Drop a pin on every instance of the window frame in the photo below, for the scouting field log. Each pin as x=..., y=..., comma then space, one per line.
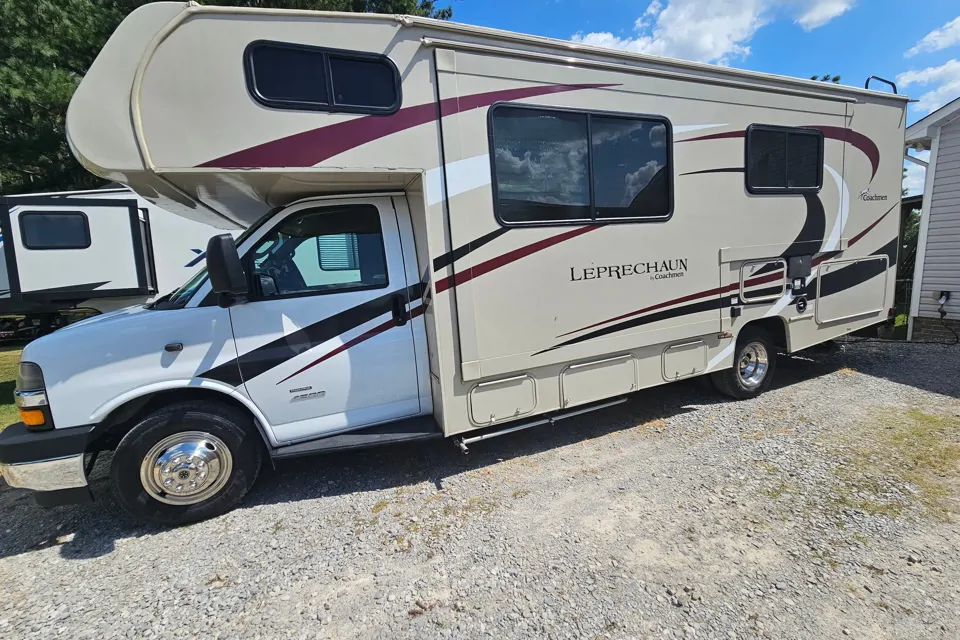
x=331, y=107
x=253, y=282
x=763, y=191
x=35, y=212
x=589, y=113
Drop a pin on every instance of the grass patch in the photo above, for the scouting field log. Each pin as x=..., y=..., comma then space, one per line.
x=911, y=447
x=9, y=358
x=380, y=506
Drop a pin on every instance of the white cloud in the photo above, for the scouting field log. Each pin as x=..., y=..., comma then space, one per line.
x=946, y=77
x=821, y=12
x=711, y=30
x=946, y=36
x=913, y=180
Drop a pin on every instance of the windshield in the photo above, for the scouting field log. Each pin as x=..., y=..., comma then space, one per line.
x=181, y=296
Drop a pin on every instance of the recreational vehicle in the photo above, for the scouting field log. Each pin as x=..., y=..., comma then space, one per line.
x=89, y=251
x=452, y=232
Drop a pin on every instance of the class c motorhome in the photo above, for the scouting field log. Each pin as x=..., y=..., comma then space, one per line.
x=452, y=232
x=79, y=253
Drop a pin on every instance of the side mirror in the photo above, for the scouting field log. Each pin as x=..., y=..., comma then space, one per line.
x=225, y=270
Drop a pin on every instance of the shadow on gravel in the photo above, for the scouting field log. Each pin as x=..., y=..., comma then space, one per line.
x=931, y=367
x=90, y=531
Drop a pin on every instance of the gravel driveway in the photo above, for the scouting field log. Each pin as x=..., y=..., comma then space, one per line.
x=822, y=509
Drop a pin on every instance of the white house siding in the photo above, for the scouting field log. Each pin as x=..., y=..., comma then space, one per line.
x=941, y=266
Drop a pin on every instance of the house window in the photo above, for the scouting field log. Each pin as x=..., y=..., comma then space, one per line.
x=553, y=167
x=783, y=160
x=54, y=230
x=291, y=76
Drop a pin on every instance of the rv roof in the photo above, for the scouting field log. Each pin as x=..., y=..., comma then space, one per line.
x=513, y=40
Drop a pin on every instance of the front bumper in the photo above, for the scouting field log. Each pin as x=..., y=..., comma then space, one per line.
x=44, y=461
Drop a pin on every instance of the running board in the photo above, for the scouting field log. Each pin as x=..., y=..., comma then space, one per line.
x=410, y=430
x=463, y=442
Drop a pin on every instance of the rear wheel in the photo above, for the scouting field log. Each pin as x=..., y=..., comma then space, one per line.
x=755, y=360
x=186, y=462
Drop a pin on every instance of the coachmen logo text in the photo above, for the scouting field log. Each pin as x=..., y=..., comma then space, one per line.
x=659, y=270
x=867, y=196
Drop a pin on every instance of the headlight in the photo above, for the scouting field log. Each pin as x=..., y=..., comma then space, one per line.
x=30, y=396
x=30, y=377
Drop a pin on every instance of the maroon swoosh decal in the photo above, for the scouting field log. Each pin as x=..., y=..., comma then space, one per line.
x=693, y=296
x=855, y=138
x=312, y=147
x=857, y=237
x=363, y=337
x=510, y=256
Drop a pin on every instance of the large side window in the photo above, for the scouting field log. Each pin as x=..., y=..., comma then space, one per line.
x=552, y=166
x=783, y=160
x=318, y=251
x=54, y=230
x=291, y=76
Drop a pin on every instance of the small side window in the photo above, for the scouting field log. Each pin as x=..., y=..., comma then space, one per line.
x=292, y=76
x=63, y=230
x=317, y=251
x=783, y=160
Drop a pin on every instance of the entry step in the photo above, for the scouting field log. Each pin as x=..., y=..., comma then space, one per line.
x=410, y=430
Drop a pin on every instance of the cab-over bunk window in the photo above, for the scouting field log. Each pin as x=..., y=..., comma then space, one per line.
x=283, y=75
x=553, y=166
x=782, y=160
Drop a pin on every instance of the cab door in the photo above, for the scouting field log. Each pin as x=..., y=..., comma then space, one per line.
x=326, y=339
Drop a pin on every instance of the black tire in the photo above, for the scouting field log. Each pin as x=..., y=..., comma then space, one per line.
x=729, y=381
x=230, y=426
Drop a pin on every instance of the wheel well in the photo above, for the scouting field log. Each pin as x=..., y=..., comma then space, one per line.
x=775, y=326
x=123, y=418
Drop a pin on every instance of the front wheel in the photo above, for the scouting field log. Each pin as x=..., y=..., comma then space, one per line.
x=754, y=362
x=186, y=462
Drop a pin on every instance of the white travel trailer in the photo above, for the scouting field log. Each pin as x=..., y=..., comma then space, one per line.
x=454, y=232
x=98, y=251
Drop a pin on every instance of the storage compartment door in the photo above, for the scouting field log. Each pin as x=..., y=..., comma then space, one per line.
x=77, y=249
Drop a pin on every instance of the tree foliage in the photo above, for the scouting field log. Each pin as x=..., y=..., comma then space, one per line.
x=45, y=48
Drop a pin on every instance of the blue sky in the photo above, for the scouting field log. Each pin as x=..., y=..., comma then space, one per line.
x=916, y=43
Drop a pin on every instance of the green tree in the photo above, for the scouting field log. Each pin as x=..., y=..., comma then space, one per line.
x=45, y=48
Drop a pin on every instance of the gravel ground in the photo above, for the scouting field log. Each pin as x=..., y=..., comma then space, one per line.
x=822, y=509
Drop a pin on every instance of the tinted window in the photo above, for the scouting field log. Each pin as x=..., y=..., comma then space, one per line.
x=540, y=159
x=363, y=83
x=294, y=258
x=783, y=159
x=553, y=166
x=630, y=177
x=288, y=76
x=49, y=230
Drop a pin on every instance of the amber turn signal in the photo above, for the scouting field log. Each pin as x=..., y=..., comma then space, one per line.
x=32, y=417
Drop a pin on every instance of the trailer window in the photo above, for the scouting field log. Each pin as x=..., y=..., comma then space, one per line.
x=292, y=76
x=783, y=160
x=54, y=230
x=552, y=166
x=324, y=250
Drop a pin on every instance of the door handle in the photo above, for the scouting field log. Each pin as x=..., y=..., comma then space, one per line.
x=400, y=315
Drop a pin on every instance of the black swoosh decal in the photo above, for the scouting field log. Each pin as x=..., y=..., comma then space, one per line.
x=697, y=307
x=264, y=358
x=448, y=259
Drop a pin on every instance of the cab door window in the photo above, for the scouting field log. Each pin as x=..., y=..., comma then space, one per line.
x=319, y=251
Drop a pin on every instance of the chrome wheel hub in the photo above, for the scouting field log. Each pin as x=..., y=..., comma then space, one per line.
x=186, y=468
x=752, y=367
